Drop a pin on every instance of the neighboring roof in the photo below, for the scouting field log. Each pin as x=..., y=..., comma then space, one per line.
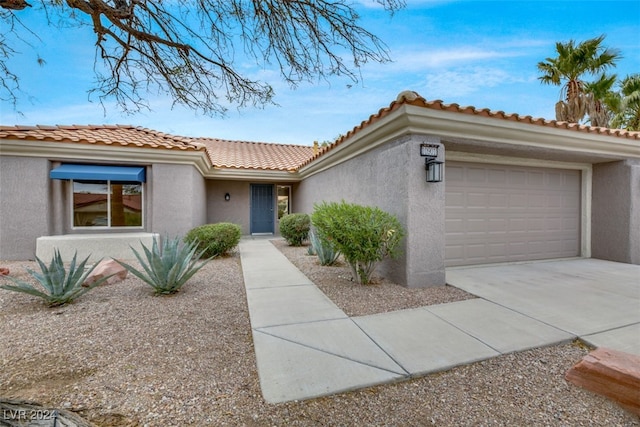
x=256, y=155
x=133, y=202
x=119, y=135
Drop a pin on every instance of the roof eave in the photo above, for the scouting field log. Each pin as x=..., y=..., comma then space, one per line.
x=410, y=119
x=105, y=153
x=518, y=134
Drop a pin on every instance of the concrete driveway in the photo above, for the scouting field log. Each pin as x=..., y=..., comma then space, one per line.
x=597, y=300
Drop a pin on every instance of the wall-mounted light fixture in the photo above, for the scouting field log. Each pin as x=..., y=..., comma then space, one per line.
x=433, y=166
x=227, y=197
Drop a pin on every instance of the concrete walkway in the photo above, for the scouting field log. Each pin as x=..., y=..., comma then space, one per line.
x=307, y=347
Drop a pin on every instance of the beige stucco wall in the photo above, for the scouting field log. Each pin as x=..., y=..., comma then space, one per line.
x=177, y=199
x=25, y=205
x=391, y=177
x=236, y=210
x=33, y=205
x=615, y=218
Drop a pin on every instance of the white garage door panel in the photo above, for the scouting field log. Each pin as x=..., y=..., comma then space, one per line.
x=497, y=213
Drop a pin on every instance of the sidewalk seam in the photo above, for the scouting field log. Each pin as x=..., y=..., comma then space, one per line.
x=381, y=348
x=305, y=322
x=406, y=374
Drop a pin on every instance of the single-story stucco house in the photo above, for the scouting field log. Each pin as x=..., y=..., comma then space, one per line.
x=514, y=188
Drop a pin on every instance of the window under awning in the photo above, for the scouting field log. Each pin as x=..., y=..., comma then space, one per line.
x=99, y=173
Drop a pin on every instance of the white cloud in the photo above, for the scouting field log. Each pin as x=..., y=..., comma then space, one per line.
x=415, y=58
x=451, y=84
x=419, y=60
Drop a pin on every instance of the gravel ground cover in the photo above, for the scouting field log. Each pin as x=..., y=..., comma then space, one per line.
x=120, y=356
x=356, y=300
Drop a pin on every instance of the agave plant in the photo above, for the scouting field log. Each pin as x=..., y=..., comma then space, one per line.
x=311, y=251
x=59, y=286
x=327, y=254
x=167, y=267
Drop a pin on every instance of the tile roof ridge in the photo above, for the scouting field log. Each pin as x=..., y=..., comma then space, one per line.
x=177, y=138
x=404, y=97
x=240, y=141
x=66, y=127
x=111, y=134
x=409, y=97
x=414, y=98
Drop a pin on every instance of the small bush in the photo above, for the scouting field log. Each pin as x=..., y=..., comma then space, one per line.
x=327, y=253
x=215, y=239
x=364, y=235
x=167, y=268
x=58, y=286
x=295, y=228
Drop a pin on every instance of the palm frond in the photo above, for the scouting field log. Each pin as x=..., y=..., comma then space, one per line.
x=574, y=63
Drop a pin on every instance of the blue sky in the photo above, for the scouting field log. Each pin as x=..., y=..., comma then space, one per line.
x=466, y=52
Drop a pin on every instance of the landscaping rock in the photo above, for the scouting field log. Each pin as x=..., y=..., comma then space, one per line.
x=611, y=373
x=107, y=268
x=4, y=271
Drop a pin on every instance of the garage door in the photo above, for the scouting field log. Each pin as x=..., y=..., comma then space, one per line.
x=497, y=213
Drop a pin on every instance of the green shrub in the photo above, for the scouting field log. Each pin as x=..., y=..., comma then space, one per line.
x=166, y=269
x=364, y=235
x=327, y=253
x=59, y=286
x=215, y=239
x=295, y=228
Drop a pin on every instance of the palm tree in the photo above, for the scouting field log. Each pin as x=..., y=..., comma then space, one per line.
x=628, y=113
x=602, y=101
x=573, y=62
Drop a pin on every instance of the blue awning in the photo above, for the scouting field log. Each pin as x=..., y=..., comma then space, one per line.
x=99, y=173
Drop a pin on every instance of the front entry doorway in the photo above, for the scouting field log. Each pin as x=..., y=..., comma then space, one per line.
x=262, y=203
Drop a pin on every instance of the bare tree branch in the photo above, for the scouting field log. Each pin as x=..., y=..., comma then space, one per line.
x=189, y=49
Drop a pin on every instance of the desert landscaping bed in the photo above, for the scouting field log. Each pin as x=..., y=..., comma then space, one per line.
x=119, y=356
x=355, y=300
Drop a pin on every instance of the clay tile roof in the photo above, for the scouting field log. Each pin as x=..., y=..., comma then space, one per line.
x=414, y=99
x=256, y=155
x=260, y=155
x=116, y=135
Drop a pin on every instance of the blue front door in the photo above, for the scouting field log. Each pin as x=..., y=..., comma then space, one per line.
x=262, y=202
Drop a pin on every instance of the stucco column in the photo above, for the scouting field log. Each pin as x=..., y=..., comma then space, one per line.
x=615, y=217
x=24, y=205
x=177, y=199
x=425, y=241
